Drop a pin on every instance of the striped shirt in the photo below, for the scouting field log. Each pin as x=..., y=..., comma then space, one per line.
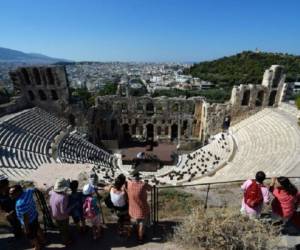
x=25, y=204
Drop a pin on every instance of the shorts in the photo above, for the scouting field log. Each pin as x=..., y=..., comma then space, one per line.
x=33, y=228
x=77, y=216
x=142, y=222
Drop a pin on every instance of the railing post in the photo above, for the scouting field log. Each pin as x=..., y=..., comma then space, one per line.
x=156, y=205
x=206, y=198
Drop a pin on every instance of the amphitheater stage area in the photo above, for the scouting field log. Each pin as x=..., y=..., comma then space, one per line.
x=164, y=152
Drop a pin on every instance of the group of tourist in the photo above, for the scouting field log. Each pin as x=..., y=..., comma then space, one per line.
x=127, y=198
x=285, y=198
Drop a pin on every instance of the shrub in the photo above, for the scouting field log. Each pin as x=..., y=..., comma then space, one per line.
x=224, y=229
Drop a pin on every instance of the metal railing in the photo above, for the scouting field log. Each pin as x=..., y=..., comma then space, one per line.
x=154, y=202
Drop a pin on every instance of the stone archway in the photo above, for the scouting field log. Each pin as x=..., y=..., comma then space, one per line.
x=126, y=132
x=259, y=98
x=174, y=132
x=272, y=98
x=246, y=98
x=150, y=132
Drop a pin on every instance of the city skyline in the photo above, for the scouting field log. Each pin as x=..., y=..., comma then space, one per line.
x=156, y=31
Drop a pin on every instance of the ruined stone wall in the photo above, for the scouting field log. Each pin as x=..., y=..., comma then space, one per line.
x=246, y=100
x=116, y=117
x=45, y=87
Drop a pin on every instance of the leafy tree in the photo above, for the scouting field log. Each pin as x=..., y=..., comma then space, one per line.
x=245, y=67
x=109, y=88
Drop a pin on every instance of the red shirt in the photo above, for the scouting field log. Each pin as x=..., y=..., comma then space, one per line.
x=137, y=199
x=284, y=204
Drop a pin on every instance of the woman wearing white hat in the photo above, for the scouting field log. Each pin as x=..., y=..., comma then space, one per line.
x=91, y=209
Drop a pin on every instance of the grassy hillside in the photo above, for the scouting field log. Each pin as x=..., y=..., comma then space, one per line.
x=245, y=67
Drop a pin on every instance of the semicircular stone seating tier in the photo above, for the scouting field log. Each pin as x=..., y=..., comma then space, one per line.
x=199, y=163
x=75, y=149
x=267, y=141
x=25, y=141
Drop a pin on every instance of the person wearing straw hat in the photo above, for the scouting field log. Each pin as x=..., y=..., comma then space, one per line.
x=138, y=206
x=59, y=208
x=7, y=205
x=91, y=209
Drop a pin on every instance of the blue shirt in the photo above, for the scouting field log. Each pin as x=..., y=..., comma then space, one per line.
x=26, y=204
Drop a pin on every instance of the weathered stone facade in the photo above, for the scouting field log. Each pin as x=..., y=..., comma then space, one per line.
x=162, y=119
x=247, y=99
x=120, y=117
x=45, y=87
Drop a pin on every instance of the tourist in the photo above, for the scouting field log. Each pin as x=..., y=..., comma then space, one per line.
x=7, y=205
x=119, y=199
x=59, y=208
x=255, y=195
x=286, y=198
x=27, y=214
x=91, y=209
x=76, y=206
x=138, y=206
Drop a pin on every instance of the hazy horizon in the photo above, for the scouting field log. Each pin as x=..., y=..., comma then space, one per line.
x=156, y=31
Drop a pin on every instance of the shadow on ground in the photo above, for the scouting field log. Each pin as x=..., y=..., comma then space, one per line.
x=156, y=238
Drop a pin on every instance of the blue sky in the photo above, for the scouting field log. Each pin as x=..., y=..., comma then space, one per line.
x=149, y=30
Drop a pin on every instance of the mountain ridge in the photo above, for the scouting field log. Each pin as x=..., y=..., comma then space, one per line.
x=15, y=56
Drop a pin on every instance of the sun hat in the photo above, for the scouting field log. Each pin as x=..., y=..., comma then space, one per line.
x=61, y=185
x=88, y=189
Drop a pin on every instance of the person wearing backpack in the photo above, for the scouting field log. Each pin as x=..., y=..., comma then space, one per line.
x=286, y=198
x=91, y=210
x=255, y=195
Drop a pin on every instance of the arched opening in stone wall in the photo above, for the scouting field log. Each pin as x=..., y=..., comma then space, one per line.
x=25, y=76
x=31, y=95
x=42, y=95
x=259, y=98
x=272, y=98
x=50, y=76
x=126, y=132
x=54, y=95
x=184, y=127
x=133, y=129
x=166, y=130
x=158, y=130
x=277, y=77
x=37, y=76
x=113, y=126
x=140, y=130
x=246, y=98
x=174, y=132
x=150, y=108
x=71, y=119
x=150, y=132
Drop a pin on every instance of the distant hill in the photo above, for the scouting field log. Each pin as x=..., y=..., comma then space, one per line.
x=15, y=56
x=245, y=67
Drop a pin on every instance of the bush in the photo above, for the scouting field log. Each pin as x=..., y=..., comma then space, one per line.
x=224, y=229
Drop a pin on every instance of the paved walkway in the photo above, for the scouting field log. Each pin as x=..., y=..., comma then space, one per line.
x=110, y=240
